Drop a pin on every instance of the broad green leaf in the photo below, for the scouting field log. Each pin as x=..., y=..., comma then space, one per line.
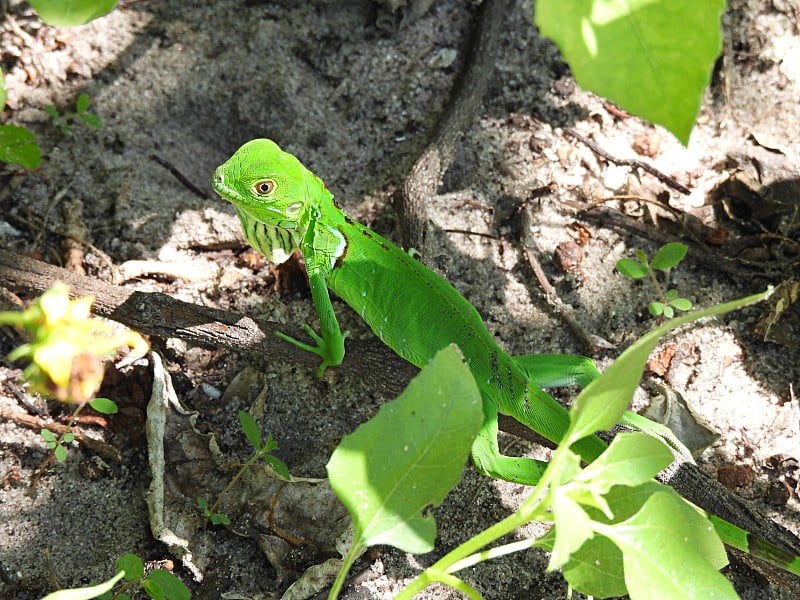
x=572, y=528
x=681, y=303
x=409, y=456
x=172, y=587
x=152, y=589
x=70, y=13
x=657, y=309
x=104, y=406
x=669, y=255
x=597, y=567
x=251, y=429
x=651, y=57
x=600, y=405
x=86, y=593
x=663, y=550
x=3, y=96
x=631, y=268
x=132, y=565
x=631, y=459
x=18, y=145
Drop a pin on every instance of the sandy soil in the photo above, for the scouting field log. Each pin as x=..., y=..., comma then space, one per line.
x=180, y=85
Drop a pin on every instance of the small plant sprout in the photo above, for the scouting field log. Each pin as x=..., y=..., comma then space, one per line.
x=64, y=122
x=158, y=584
x=215, y=518
x=263, y=451
x=665, y=258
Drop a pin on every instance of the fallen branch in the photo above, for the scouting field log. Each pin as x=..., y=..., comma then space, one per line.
x=423, y=178
x=629, y=162
x=158, y=314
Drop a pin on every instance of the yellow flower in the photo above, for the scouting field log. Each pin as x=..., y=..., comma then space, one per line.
x=68, y=345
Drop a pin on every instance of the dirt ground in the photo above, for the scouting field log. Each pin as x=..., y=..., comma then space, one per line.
x=354, y=92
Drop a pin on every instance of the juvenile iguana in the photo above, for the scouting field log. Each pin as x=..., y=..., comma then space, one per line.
x=284, y=207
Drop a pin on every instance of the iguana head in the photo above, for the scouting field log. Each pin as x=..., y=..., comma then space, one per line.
x=267, y=184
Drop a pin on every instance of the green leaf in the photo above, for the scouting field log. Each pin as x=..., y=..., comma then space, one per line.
x=60, y=453
x=18, y=145
x=596, y=569
x=278, y=466
x=251, y=429
x=202, y=502
x=48, y=436
x=630, y=460
x=600, y=405
x=3, y=96
x=220, y=519
x=668, y=256
x=681, y=303
x=68, y=437
x=104, y=406
x=91, y=120
x=651, y=57
x=172, y=587
x=82, y=103
x=409, y=456
x=666, y=551
x=573, y=528
x=671, y=294
x=51, y=111
x=132, y=565
x=70, y=13
x=656, y=308
x=152, y=589
x=85, y=593
x=631, y=268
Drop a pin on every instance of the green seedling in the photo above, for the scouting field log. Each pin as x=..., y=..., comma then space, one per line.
x=64, y=122
x=665, y=258
x=214, y=518
x=158, y=584
x=58, y=444
x=263, y=451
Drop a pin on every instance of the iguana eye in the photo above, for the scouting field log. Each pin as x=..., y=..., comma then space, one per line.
x=264, y=187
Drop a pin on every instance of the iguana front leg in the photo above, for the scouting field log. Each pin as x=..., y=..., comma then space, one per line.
x=329, y=346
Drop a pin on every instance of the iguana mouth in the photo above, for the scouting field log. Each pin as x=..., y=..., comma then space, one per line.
x=218, y=183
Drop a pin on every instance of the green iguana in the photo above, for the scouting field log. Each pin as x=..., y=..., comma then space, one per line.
x=284, y=207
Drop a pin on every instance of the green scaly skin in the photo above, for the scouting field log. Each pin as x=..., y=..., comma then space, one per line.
x=284, y=207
